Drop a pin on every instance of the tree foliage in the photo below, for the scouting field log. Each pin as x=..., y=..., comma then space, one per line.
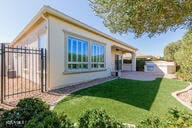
x=184, y=56
x=144, y=16
x=181, y=52
x=171, y=49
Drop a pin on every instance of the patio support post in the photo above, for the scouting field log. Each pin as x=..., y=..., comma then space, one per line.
x=2, y=71
x=133, y=66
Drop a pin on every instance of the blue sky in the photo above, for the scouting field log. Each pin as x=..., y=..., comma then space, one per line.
x=16, y=14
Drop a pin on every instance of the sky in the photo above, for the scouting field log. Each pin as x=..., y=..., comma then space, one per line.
x=16, y=14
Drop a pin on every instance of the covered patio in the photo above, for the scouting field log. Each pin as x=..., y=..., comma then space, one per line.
x=117, y=56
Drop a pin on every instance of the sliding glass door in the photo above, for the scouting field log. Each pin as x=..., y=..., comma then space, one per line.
x=118, y=62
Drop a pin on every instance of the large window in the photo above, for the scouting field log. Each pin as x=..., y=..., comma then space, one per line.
x=77, y=54
x=97, y=56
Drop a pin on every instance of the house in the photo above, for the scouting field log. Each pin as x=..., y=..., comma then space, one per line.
x=76, y=52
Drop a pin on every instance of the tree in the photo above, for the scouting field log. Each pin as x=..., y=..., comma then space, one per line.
x=144, y=16
x=184, y=56
x=171, y=49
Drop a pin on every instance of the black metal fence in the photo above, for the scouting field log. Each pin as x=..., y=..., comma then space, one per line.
x=23, y=72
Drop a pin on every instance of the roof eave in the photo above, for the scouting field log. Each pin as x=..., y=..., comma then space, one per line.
x=29, y=25
x=48, y=10
x=78, y=23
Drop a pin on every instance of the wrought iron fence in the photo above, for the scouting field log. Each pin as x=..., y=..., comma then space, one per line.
x=23, y=71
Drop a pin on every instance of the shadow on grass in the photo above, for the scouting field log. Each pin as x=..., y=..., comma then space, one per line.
x=137, y=93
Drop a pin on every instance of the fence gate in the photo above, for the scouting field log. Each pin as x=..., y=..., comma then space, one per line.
x=23, y=72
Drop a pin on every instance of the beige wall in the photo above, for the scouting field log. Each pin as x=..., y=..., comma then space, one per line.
x=57, y=50
x=56, y=31
x=30, y=40
x=127, y=67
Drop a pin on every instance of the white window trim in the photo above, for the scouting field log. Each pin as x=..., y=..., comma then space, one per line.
x=94, y=42
x=89, y=69
x=74, y=62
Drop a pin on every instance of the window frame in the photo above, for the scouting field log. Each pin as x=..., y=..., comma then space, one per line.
x=67, y=62
x=90, y=42
x=98, y=62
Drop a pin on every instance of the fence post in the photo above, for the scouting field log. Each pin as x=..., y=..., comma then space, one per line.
x=42, y=68
x=45, y=64
x=2, y=71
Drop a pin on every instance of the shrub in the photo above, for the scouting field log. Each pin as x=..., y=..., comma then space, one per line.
x=49, y=119
x=174, y=119
x=183, y=75
x=24, y=111
x=31, y=106
x=2, y=111
x=140, y=64
x=150, y=122
x=12, y=119
x=178, y=119
x=98, y=119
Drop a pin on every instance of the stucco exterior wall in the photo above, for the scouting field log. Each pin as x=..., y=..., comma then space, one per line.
x=127, y=67
x=56, y=26
x=31, y=38
x=57, y=54
x=30, y=41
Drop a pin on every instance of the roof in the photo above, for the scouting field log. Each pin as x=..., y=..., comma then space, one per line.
x=139, y=55
x=47, y=10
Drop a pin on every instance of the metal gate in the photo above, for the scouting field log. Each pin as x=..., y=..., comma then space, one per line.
x=23, y=72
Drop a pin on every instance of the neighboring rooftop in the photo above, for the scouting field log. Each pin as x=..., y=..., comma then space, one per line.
x=138, y=55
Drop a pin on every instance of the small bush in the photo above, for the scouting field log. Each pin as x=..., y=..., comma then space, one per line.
x=49, y=119
x=140, y=64
x=24, y=111
x=11, y=119
x=184, y=76
x=98, y=119
x=150, y=122
x=174, y=119
x=178, y=119
x=31, y=106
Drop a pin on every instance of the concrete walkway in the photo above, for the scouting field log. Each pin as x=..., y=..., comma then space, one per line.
x=145, y=76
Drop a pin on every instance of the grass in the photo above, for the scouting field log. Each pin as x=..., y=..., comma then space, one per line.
x=127, y=100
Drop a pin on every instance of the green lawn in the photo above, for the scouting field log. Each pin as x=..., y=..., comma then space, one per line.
x=127, y=100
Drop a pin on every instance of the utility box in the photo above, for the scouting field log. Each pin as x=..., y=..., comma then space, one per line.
x=11, y=74
x=116, y=73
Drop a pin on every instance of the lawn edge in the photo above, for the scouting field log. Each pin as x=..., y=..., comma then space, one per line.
x=52, y=106
x=175, y=95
